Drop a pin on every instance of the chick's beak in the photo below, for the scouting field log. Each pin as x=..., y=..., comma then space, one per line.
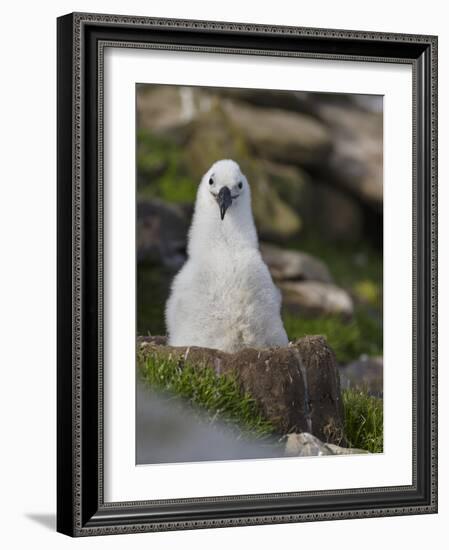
x=224, y=200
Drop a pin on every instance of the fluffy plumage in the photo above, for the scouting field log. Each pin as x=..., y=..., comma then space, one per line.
x=224, y=297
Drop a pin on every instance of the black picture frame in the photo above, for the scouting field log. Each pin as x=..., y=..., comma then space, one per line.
x=81, y=509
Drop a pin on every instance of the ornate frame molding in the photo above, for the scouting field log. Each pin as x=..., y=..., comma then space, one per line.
x=81, y=508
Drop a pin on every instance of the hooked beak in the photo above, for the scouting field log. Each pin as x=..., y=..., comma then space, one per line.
x=224, y=200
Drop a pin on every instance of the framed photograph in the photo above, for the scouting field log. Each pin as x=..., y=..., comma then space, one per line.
x=247, y=278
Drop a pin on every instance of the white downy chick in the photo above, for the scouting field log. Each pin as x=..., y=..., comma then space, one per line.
x=224, y=297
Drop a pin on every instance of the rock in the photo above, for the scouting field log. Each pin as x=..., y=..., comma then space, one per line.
x=300, y=102
x=356, y=162
x=365, y=374
x=170, y=110
x=213, y=137
x=279, y=135
x=330, y=212
x=292, y=183
x=287, y=265
x=161, y=110
x=275, y=219
x=372, y=103
x=316, y=298
x=296, y=387
x=305, y=444
x=161, y=233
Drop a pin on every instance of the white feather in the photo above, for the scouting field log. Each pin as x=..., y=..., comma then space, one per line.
x=224, y=297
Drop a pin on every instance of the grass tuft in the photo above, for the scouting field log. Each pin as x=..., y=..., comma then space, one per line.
x=161, y=171
x=348, y=339
x=363, y=420
x=218, y=396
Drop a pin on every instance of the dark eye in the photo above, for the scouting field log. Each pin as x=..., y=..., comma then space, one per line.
x=240, y=184
x=211, y=181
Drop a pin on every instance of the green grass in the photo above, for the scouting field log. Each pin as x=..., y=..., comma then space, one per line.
x=161, y=170
x=358, y=269
x=219, y=397
x=348, y=339
x=363, y=420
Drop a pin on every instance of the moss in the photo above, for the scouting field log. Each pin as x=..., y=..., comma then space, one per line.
x=363, y=420
x=218, y=397
x=367, y=291
x=348, y=339
x=162, y=171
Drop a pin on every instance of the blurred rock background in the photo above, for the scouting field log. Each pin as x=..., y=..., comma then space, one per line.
x=314, y=163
